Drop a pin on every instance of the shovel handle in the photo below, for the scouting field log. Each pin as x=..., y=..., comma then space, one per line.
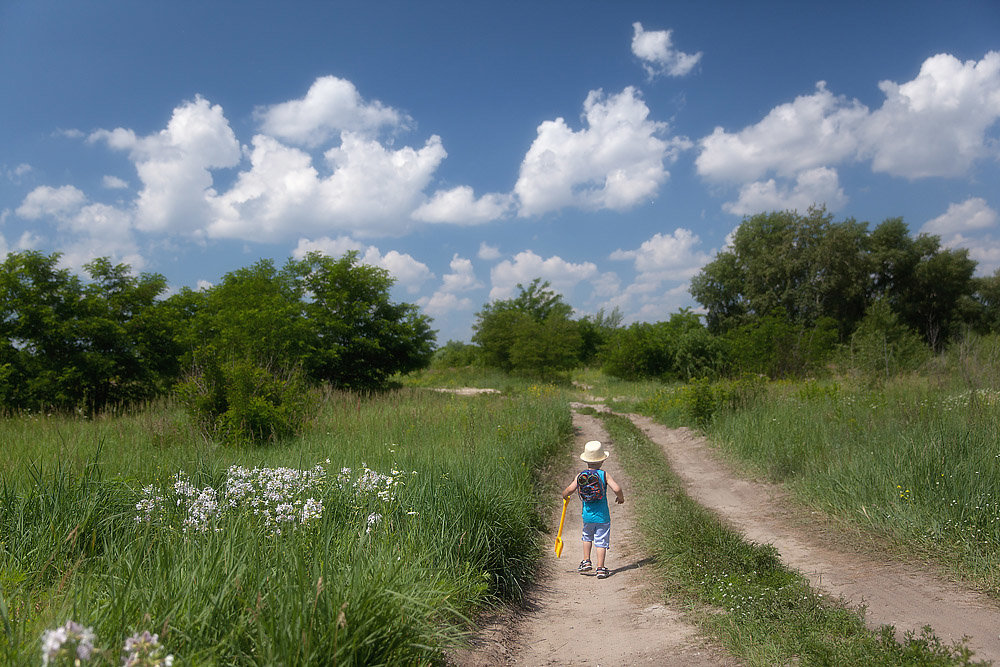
x=562, y=518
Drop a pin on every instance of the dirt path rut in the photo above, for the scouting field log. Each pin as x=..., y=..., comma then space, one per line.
x=576, y=619
x=906, y=596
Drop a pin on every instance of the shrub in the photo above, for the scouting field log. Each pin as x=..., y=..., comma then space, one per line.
x=242, y=402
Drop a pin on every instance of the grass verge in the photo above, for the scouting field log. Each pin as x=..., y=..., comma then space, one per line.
x=740, y=592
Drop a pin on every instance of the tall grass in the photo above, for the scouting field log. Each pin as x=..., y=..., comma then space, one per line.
x=740, y=592
x=372, y=581
x=909, y=459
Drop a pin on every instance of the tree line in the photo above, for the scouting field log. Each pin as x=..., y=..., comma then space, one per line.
x=115, y=338
x=792, y=294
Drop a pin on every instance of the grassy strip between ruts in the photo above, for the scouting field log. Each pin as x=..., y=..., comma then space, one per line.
x=740, y=592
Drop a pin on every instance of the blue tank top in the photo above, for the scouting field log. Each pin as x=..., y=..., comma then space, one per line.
x=596, y=511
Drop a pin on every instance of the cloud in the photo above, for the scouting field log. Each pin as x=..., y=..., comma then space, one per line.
x=971, y=215
x=331, y=106
x=460, y=206
x=92, y=229
x=664, y=265
x=407, y=271
x=369, y=189
x=15, y=174
x=446, y=299
x=114, y=183
x=46, y=201
x=814, y=186
x=488, y=252
x=812, y=131
x=666, y=257
x=934, y=125
x=965, y=225
x=174, y=165
x=658, y=55
x=616, y=162
x=526, y=266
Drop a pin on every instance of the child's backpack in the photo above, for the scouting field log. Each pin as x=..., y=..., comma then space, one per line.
x=588, y=484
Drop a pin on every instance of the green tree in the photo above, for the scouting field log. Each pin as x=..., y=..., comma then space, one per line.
x=930, y=288
x=806, y=266
x=531, y=333
x=66, y=343
x=679, y=348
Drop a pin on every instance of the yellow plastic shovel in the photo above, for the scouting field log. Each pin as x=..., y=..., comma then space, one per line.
x=559, y=542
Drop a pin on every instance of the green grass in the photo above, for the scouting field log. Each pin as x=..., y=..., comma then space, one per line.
x=764, y=613
x=459, y=534
x=911, y=460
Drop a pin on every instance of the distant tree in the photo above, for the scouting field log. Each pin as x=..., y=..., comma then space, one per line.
x=334, y=318
x=358, y=336
x=531, y=333
x=809, y=267
x=455, y=354
x=595, y=332
x=806, y=266
x=66, y=343
x=930, y=288
x=679, y=348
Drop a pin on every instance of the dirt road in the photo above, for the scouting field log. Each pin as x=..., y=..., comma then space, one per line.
x=905, y=595
x=576, y=619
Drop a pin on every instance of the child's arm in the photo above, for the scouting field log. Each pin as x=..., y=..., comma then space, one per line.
x=613, y=485
x=568, y=491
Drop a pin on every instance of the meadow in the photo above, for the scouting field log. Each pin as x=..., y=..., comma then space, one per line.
x=372, y=539
x=913, y=459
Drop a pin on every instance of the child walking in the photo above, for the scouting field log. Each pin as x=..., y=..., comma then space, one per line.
x=592, y=485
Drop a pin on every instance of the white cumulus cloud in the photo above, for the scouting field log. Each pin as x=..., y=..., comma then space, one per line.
x=615, y=162
x=114, y=183
x=367, y=189
x=820, y=186
x=972, y=214
x=656, y=51
x=526, y=266
x=666, y=256
x=175, y=165
x=331, y=106
x=446, y=299
x=936, y=125
x=812, y=131
x=460, y=206
x=488, y=252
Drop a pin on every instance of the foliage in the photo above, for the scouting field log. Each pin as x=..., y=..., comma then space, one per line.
x=70, y=344
x=882, y=346
x=240, y=402
x=677, y=348
x=455, y=354
x=806, y=266
x=775, y=346
x=530, y=334
x=595, y=332
x=333, y=318
x=810, y=267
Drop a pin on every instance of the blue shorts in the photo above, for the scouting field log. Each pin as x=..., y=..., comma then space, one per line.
x=598, y=533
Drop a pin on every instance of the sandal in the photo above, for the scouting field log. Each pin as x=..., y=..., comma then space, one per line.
x=585, y=566
x=602, y=573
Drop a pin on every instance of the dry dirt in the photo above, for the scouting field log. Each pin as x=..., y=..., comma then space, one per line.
x=575, y=619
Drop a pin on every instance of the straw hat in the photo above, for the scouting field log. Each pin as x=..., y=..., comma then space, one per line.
x=593, y=452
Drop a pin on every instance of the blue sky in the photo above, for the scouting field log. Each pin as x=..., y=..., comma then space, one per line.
x=609, y=148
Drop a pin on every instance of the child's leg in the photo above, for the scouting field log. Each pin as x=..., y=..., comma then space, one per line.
x=602, y=541
x=586, y=551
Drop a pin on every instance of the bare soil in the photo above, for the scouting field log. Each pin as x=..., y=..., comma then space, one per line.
x=574, y=619
x=907, y=595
